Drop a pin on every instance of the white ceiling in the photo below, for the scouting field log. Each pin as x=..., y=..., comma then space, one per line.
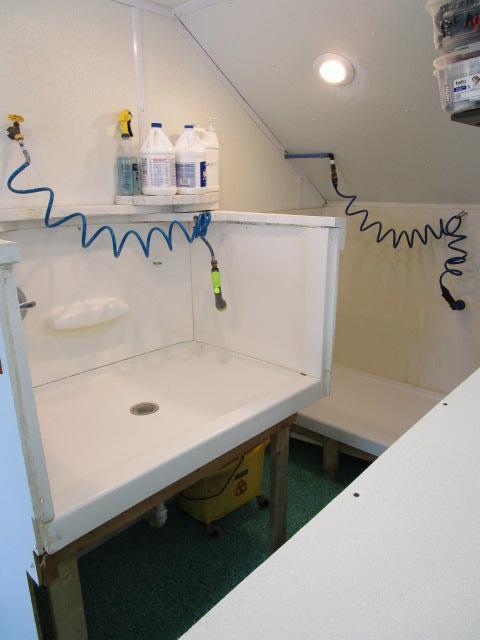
x=170, y=3
x=391, y=138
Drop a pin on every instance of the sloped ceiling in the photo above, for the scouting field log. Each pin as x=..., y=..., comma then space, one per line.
x=170, y=3
x=392, y=140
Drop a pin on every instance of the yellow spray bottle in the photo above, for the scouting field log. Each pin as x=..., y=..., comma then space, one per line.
x=128, y=181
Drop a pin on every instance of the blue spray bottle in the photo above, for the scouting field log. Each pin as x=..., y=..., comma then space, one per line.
x=128, y=182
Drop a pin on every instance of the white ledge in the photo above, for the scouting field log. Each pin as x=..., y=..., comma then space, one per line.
x=190, y=202
x=9, y=252
x=10, y=218
x=291, y=219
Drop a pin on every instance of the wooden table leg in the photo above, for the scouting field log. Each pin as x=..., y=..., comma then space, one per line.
x=66, y=602
x=278, y=487
x=330, y=458
x=36, y=611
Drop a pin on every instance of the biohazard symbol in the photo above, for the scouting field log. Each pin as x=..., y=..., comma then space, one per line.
x=241, y=488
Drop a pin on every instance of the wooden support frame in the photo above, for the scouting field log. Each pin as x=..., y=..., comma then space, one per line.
x=59, y=571
x=331, y=455
x=279, y=447
x=66, y=602
x=36, y=611
x=331, y=450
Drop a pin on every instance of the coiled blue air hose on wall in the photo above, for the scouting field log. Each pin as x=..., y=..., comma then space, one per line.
x=447, y=229
x=200, y=227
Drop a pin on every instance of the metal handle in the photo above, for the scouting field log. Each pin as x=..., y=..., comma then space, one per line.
x=27, y=305
x=24, y=304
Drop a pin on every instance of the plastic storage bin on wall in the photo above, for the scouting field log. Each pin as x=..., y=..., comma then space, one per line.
x=458, y=76
x=456, y=23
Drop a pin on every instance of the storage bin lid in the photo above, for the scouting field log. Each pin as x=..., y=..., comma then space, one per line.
x=433, y=6
x=455, y=22
x=465, y=53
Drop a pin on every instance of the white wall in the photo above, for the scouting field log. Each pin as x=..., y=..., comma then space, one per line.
x=57, y=272
x=278, y=310
x=392, y=320
x=68, y=66
x=16, y=551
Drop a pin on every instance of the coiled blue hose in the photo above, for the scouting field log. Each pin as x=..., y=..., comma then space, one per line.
x=449, y=228
x=200, y=227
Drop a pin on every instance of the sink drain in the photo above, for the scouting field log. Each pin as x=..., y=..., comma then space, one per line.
x=144, y=408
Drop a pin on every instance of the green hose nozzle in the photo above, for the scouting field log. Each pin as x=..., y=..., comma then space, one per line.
x=217, y=287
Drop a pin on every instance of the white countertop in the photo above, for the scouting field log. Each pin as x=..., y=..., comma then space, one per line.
x=400, y=561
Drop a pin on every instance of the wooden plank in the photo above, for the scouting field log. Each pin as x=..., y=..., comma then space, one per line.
x=330, y=459
x=36, y=612
x=47, y=564
x=356, y=453
x=307, y=433
x=278, y=487
x=344, y=448
x=66, y=602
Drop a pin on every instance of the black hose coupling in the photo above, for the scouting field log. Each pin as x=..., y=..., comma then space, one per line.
x=455, y=305
x=333, y=171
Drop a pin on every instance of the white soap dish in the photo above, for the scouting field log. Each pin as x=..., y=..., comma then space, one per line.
x=87, y=313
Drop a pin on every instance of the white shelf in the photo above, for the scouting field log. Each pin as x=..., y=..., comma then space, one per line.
x=194, y=202
x=32, y=217
x=131, y=208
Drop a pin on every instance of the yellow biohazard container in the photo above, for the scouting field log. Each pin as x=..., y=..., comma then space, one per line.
x=227, y=489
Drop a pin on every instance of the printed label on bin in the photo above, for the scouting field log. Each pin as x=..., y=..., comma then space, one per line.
x=467, y=88
x=242, y=487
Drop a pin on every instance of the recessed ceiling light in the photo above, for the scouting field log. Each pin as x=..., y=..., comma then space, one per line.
x=334, y=69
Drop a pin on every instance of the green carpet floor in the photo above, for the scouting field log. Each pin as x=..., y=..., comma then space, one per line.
x=153, y=584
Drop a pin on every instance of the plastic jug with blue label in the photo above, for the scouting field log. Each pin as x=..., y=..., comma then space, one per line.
x=191, y=163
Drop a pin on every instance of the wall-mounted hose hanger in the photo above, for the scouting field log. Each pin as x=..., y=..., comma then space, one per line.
x=200, y=227
x=446, y=228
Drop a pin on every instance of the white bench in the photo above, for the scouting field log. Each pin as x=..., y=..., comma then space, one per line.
x=363, y=416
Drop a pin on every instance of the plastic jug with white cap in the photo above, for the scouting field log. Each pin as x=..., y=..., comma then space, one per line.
x=191, y=163
x=157, y=162
x=212, y=149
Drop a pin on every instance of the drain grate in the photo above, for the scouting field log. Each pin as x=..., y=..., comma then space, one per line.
x=144, y=408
